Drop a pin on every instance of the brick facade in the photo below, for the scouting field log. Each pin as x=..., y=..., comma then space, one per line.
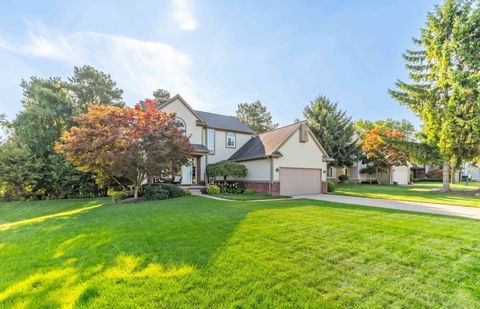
x=261, y=186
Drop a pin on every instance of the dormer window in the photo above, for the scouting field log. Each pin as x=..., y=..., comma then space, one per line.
x=181, y=125
x=230, y=140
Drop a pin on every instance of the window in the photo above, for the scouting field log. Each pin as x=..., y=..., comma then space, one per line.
x=211, y=140
x=231, y=140
x=181, y=125
x=329, y=172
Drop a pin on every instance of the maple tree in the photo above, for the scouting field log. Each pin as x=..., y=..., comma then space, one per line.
x=380, y=152
x=133, y=143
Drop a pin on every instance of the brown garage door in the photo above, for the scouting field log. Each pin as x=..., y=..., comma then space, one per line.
x=300, y=181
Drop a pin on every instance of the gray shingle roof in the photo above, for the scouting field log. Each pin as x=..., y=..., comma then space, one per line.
x=223, y=122
x=200, y=147
x=265, y=144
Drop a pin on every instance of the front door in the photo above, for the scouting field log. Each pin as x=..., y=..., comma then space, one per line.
x=189, y=172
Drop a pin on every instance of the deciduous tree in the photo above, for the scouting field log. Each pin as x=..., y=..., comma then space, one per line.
x=125, y=142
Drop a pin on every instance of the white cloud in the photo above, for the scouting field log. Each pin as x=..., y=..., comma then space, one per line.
x=138, y=66
x=182, y=11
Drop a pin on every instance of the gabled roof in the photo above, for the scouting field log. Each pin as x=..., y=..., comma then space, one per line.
x=228, y=123
x=211, y=120
x=268, y=144
x=265, y=144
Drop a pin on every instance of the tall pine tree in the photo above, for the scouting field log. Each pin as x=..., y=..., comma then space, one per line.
x=334, y=130
x=444, y=74
x=256, y=116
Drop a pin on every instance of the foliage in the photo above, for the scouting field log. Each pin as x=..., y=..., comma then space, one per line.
x=18, y=171
x=380, y=152
x=92, y=87
x=331, y=186
x=249, y=191
x=128, y=142
x=154, y=192
x=444, y=78
x=161, y=95
x=419, y=153
x=230, y=187
x=226, y=169
x=418, y=180
x=213, y=189
x=118, y=195
x=186, y=192
x=343, y=178
x=333, y=129
x=256, y=117
x=404, y=126
x=174, y=191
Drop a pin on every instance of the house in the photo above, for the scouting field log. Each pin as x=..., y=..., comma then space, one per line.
x=287, y=160
x=436, y=171
x=396, y=174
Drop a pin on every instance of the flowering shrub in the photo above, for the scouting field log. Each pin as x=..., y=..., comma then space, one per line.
x=213, y=190
x=230, y=187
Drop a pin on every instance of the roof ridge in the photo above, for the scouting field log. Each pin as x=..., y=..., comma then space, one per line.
x=276, y=129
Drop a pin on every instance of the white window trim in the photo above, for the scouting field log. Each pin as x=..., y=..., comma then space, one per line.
x=211, y=149
x=234, y=140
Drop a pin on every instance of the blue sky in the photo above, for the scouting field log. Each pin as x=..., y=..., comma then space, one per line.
x=217, y=54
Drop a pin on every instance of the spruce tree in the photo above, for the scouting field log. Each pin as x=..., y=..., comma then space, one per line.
x=333, y=129
x=444, y=77
x=256, y=116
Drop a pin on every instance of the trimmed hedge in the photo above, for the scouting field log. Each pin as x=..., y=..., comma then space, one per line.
x=161, y=191
x=343, y=178
x=417, y=180
x=331, y=186
x=213, y=189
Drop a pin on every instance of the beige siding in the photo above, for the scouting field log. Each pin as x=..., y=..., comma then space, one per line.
x=193, y=131
x=258, y=170
x=300, y=155
x=222, y=152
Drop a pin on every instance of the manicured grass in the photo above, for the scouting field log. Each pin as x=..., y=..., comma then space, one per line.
x=198, y=252
x=420, y=192
x=251, y=197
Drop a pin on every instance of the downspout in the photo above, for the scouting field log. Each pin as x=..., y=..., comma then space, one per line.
x=270, y=184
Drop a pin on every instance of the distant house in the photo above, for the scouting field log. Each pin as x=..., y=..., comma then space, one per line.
x=395, y=175
x=287, y=160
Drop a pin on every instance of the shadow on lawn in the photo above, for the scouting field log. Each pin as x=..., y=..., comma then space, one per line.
x=52, y=260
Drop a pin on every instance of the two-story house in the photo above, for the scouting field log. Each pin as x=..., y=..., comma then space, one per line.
x=287, y=160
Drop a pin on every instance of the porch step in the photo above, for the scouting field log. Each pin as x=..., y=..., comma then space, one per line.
x=195, y=189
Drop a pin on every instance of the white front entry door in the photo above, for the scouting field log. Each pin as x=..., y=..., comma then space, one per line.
x=186, y=175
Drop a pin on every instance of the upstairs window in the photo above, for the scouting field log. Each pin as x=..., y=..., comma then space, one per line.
x=181, y=125
x=211, y=140
x=230, y=140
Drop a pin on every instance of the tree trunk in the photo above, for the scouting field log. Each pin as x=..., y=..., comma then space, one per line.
x=136, y=188
x=446, y=176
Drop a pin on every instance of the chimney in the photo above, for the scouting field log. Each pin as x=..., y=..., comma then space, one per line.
x=303, y=133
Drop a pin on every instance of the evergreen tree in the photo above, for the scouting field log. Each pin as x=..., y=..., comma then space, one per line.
x=161, y=95
x=91, y=86
x=333, y=129
x=256, y=116
x=444, y=74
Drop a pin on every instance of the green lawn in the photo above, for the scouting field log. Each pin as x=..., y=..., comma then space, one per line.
x=199, y=252
x=251, y=197
x=420, y=192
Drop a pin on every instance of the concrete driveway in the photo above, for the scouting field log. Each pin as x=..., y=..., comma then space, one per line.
x=440, y=209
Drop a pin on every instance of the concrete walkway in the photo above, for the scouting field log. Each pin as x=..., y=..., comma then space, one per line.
x=440, y=209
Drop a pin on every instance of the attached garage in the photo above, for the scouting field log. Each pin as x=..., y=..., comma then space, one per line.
x=297, y=181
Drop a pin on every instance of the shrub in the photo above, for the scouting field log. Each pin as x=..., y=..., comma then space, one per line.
x=249, y=191
x=174, y=191
x=154, y=192
x=331, y=186
x=213, y=189
x=186, y=191
x=118, y=195
x=343, y=178
x=230, y=187
x=416, y=180
x=226, y=169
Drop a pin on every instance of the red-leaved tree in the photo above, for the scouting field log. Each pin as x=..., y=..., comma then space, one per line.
x=126, y=142
x=380, y=151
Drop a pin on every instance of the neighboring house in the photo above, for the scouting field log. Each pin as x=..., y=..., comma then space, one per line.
x=436, y=171
x=397, y=174
x=287, y=160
